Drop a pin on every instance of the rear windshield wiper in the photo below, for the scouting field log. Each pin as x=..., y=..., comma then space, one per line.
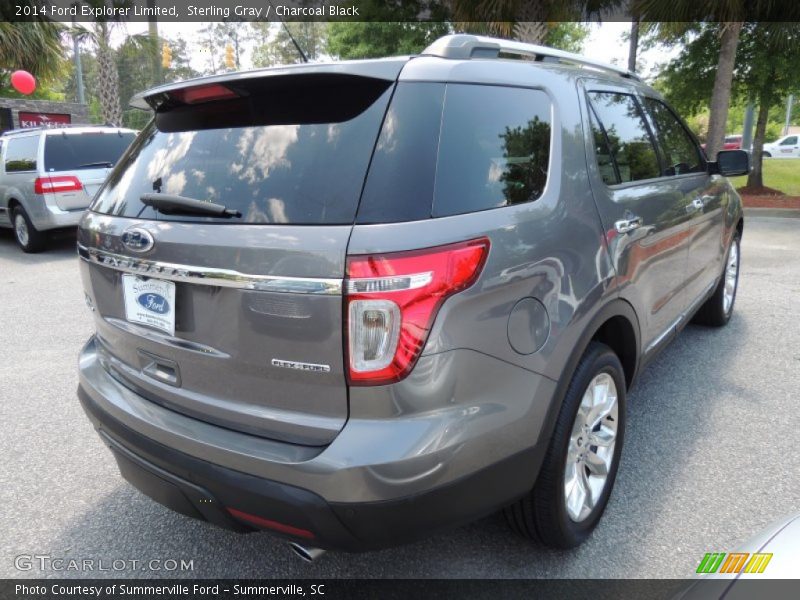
x=102, y=163
x=172, y=204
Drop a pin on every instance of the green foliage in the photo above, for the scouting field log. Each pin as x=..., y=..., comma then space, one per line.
x=389, y=32
x=142, y=74
x=35, y=47
x=278, y=48
x=766, y=70
x=779, y=174
x=567, y=35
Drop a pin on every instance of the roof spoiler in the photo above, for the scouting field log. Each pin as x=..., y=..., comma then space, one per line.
x=205, y=89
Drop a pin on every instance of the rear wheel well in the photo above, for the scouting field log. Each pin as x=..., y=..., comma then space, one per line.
x=12, y=203
x=618, y=334
x=740, y=227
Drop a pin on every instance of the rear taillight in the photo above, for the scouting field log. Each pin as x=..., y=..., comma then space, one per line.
x=392, y=301
x=52, y=185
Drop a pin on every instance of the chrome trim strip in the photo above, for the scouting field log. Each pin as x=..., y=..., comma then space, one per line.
x=683, y=316
x=662, y=336
x=209, y=275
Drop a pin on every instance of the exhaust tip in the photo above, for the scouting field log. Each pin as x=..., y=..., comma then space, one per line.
x=306, y=553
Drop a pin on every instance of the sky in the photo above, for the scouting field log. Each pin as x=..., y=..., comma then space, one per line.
x=605, y=42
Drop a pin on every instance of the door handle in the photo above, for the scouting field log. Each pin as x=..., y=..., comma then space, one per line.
x=626, y=225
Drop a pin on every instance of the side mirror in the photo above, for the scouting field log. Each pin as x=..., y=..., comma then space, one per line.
x=731, y=163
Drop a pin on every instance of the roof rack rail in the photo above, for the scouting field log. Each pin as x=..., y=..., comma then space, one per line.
x=465, y=46
x=58, y=127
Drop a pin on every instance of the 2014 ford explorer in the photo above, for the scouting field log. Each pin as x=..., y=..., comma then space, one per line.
x=354, y=303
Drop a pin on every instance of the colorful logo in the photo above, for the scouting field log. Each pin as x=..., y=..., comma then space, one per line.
x=734, y=562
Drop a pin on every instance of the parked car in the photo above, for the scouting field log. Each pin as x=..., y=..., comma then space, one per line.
x=786, y=147
x=731, y=142
x=355, y=321
x=49, y=176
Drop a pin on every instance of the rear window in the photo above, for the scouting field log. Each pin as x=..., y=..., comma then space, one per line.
x=457, y=148
x=295, y=155
x=91, y=150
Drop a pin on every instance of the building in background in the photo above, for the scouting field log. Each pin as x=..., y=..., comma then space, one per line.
x=21, y=113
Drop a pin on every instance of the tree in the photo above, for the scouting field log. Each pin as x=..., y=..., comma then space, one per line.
x=525, y=20
x=765, y=69
x=33, y=46
x=108, y=76
x=142, y=74
x=390, y=29
x=767, y=72
x=728, y=17
x=278, y=48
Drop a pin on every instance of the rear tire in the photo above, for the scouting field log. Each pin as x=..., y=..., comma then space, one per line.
x=717, y=310
x=552, y=513
x=28, y=238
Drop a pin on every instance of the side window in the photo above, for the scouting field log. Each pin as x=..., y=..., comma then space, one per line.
x=628, y=140
x=605, y=162
x=790, y=141
x=494, y=148
x=679, y=150
x=21, y=154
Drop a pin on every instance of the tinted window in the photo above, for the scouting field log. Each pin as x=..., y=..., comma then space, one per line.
x=400, y=182
x=70, y=151
x=605, y=161
x=494, y=148
x=677, y=147
x=296, y=166
x=627, y=136
x=21, y=153
x=790, y=141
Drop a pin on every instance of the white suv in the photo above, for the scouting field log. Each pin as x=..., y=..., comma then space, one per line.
x=49, y=176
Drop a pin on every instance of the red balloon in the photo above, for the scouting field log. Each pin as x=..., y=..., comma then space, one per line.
x=23, y=82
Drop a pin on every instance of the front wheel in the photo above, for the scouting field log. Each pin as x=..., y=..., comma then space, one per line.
x=580, y=466
x=718, y=309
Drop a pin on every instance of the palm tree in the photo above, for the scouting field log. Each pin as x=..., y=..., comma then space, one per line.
x=108, y=76
x=33, y=46
x=524, y=20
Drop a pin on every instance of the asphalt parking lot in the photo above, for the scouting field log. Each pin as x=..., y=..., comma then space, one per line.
x=710, y=455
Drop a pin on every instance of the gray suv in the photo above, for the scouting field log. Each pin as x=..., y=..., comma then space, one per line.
x=354, y=303
x=49, y=176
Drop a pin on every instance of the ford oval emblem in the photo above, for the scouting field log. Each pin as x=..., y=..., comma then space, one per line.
x=154, y=302
x=137, y=239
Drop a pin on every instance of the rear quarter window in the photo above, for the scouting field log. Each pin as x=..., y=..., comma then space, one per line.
x=448, y=149
x=494, y=148
x=22, y=153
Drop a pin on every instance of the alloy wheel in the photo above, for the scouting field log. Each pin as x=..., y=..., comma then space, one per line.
x=21, y=230
x=731, y=277
x=591, y=447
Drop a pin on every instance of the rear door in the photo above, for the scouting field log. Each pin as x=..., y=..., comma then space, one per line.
x=87, y=155
x=644, y=213
x=257, y=342
x=704, y=195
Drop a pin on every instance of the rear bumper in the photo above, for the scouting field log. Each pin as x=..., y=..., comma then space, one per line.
x=346, y=496
x=45, y=217
x=206, y=491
